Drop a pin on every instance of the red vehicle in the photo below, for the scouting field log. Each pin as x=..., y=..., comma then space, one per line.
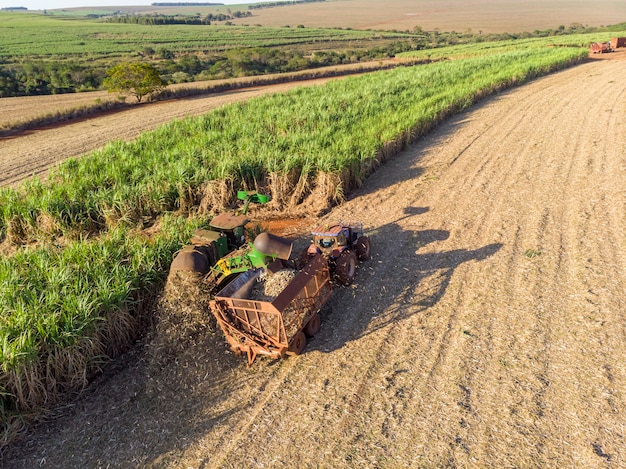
x=275, y=327
x=600, y=47
x=341, y=244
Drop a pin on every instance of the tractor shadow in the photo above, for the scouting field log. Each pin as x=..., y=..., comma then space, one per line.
x=401, y=279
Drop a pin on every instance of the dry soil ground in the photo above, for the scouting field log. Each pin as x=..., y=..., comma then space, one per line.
x=488, y=330
x=486, y=16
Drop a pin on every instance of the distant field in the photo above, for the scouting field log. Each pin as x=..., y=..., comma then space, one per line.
x=22, y=35
x=488, y=16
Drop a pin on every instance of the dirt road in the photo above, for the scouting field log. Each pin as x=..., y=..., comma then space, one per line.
x=35, y=152
x=488, y=330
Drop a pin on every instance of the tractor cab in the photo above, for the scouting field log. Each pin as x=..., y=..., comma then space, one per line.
x=330, y=240
x=232, y=226
x=341, y=244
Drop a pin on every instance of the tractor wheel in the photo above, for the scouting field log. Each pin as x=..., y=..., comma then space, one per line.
x=345, y=268
x=363, y=248
x=297, y=344
x=191, y=259
x=304, y=259
x=313, y=326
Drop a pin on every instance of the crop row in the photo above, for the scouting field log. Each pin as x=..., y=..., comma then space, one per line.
x=343, y=125
x=67, y=308
x=69, y=295
x=481, y=49
x=22, y=35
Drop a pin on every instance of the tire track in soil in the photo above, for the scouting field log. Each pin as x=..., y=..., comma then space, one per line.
x=269, y=386
x=564, y=324
x=545, y=323
x=448, y=339
x=488, y=330
x=363, y=400
x=460, y=339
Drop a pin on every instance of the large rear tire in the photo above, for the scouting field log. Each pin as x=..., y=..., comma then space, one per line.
x=297, y=344
x=345, y=268
x=363, y=248
x=313, y=326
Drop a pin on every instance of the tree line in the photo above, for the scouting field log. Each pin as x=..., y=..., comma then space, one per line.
x=257, y=6
x=158, y=19
x=38, y=78
x=53, y=77
x=50, y=77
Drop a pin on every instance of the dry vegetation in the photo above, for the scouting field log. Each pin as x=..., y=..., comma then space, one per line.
x=487, y=331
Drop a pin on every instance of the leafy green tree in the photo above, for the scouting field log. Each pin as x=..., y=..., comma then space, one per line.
x=136, y=79
x=165, y=53
x=190, y=63
x=9, y=84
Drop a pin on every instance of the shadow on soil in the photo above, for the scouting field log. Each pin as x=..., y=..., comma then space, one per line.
x=410, y=269
x=398, y=282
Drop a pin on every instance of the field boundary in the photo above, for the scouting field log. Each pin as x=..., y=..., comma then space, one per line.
x=201, y=88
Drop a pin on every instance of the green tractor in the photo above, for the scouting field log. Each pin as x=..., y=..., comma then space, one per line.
x=221, y=252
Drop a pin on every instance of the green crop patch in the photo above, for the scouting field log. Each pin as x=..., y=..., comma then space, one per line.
x=23, y=34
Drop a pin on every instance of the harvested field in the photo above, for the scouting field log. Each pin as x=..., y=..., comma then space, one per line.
x=487, y=16
x=488, y=330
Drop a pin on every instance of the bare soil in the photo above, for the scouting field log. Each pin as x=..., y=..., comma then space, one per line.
x=488, y=329
x=486, y=16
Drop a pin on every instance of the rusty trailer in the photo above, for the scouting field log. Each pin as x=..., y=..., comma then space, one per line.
x=600, y=47
x=618, y=42
x=273, y=328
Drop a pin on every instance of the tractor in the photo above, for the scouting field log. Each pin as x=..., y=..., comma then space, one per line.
x=341, y=244
x=221, y=252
